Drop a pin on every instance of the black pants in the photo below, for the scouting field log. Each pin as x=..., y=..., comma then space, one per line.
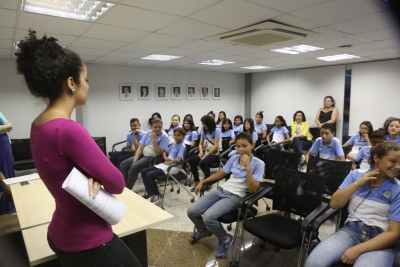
x=114, y=253
x=117, y=157
x=299, y=143
x=149, y=176
x=204, y=166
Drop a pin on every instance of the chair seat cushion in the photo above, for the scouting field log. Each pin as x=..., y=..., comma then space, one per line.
x=179, y=176
x=278, y=230
x=233, y=215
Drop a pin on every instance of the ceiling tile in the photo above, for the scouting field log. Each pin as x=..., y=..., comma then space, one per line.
x=180, y=52
x=386, y=56
x=192, y=29
x=377, y=52
x=111, y=60
x=97, y=44
x=322, y=34
x=204, y=45
x=381, y=34
x=89, y=51
x=6, y=33
x=112, y=33
x=211, y=55
x=295, y=22
x=87, y=59
x=237, y=50
x=171, y=63
x=139, y=48
x=9, y=4
x=288, y=5
x=279, y=45
x=336, y=11
x=348, y=40
x=62, y=39
x=365, y=24
x=188, y=60
x=225, y=14
x=5, y=51
x=176, y=7
x=136, y=18
x=140, y=62
x=7, y=18
x=165, y=40
x=6, y=43
x=263, y=54
x=395, y=42
x=129, y=55
x=358, y=48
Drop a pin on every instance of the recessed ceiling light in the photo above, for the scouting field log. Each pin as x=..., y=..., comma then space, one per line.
x=297, y=49
x=87, y=10
x=257, y=67
x=160, y=57
x=337, y=57
x=215, y=62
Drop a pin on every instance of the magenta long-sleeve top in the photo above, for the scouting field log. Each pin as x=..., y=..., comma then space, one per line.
x=58, y=146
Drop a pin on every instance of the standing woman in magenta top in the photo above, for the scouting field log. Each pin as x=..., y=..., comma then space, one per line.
x=78, y=236
x=327, y=114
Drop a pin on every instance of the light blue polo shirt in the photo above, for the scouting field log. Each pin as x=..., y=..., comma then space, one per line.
x=161, y=139
x=171, y=132
x=332, y=152
x=238, y=129
x=363, y=154
x=190, y=136
x=390, y=140
x=279, y=133
x=229, y=133
x=260, y=128
x=374, y=207
x=356, y=142
x=237, y=184
x=129, y=137
x=176, y=150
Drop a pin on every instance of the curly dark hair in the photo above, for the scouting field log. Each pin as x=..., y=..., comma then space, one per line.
x=381, y=150
x=46, y=66
x=209, y=123
x=302, y=114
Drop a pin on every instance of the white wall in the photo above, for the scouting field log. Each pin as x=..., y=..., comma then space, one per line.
x=375, y=93
x=285, y=92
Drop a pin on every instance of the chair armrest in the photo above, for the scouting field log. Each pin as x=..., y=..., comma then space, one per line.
x=114, y=145
x=205, y=185
x=193, y=151
x=155, y=158
x=328, y=213
x=306, y=223
x=226, y=152
x=177, y=164
x=256, y=196
x=257, y=148
x=244, y=199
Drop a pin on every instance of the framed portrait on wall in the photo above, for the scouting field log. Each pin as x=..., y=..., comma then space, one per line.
x=204, y=92
x=144, y=91
x=216, y=92
x=176, y=91
x=191, y=92
x=161, y=91
x=125, y=92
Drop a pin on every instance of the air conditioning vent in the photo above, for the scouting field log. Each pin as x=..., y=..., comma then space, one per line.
x=265, y=33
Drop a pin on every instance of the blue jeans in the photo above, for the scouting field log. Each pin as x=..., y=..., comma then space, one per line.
x=149, y=176
x=298, y=144
x=331, y=249
x=131, y=171
x=265, y=149
x=204, y=213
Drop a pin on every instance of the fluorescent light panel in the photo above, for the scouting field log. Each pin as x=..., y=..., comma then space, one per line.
x=337, y=57
x=215, y=62
x=257, y=67
x=87, y=10
x=297, y=49
x=160, y=57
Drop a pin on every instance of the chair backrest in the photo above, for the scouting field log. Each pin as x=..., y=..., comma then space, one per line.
x=289, y=129
x=284, y=159
x=334, y=171
x=346, y=150
x=101, y=142
x=315, y=132
x=21, y=149
x=297, y=192
x=225, y=143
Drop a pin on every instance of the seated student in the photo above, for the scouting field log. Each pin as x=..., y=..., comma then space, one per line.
x=212, y=115
x=371, y=232
x=327, y=146
x=376, y=138
x=155, y=115
x=393, y=130
x=176, y=153
x=221, y=118
x=361, y=139
x=280, y=136
x=226, y=131
x=152, y=144
x=188, y=116
x=132, y=143
x=175, y=120
x=191, y=136
x=301, y=135
x=211, y=137
x=259, y=126
x=247, y=173
x=249, y=129
x=238, y=124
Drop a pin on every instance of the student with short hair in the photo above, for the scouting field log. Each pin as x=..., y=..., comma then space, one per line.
x=153, y=143
x=363, y=155
x=174, y=154
x=259, y=126
x=327, y=146
x=175, y=120
x=238, y=124
x=359, y=140
x=247, y=173
x=393, y=130
x=191, y=136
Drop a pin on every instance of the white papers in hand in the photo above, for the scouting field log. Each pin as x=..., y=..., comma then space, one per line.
x=105, y=205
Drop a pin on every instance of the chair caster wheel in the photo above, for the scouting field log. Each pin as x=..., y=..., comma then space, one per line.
x=190, y=184
x=277, y=248
x=262, y=245
x=229, y=228
x=179, y=190
x=192, y=241
x=172, y=190
x=192, y=200
x=186, y=184
x=268, y=208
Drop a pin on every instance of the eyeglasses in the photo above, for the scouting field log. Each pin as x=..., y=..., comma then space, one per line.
x=364, y=128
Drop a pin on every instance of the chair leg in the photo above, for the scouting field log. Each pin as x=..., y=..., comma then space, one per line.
x=301, y=250
x=165, y=187
x=184, y=188
x=237, y=241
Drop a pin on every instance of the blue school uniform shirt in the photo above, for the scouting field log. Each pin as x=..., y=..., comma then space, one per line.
x=332, y=152
x=237, y=184
x=279, y=133
x=379, y=205
x=237, y=129
x=171, y=132
x=229, y=133
x=357, y=143
x=190, y=136
x=162, y=141
x=390, y=140
x=129, y=137
x=363, y=155
x=174, y=151
x=260, y=128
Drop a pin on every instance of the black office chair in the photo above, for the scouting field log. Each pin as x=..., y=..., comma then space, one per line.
x=114, y=150
x=22, y=155
x=101, y=142
x=295, y=192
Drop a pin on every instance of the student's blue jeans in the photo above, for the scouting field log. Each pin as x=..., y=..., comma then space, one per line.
x=131, y=171
x=299, y=143
x=331, y=249
x=265, y=149
x=204, y=213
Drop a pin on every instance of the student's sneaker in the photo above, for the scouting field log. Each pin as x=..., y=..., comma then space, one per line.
x=302, y=160
x=155, y=199
x=197, y=236
x=223, y=248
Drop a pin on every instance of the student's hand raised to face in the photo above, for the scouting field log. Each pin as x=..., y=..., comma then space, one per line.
x=153, y=135
x=136, y=131
x=245, y=160
x=366, y=178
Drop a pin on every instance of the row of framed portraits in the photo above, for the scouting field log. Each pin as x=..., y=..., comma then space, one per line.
x=165, y=92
